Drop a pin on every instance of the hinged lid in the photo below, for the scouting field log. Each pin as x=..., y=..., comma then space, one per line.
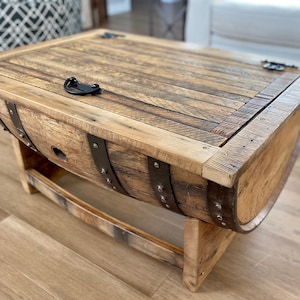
x=169, y=100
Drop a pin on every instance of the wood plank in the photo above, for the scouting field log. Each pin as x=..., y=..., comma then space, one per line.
x=204, y=245
x=113, y=227
x=236, y=156
x=237, y=274
x=161, y=144
x=213, y=60
x=177, y=122
x=14, y=66
x=158, y=94
x=132, y=267
x=158, y=102
x=260, y=265
x=155, y=88
x=148, y=66
x=241, y=116
x=168, y=226
x=14, y=284
x=47, y=263
x=138, y=56
x=3, y=214
x=259, y=195
x=141, y=89
x=246, y=276
x=27, y=48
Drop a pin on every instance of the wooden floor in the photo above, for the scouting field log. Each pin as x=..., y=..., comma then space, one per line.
x=45, y=253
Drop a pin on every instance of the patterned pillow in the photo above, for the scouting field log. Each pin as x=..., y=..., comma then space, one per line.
x=25, y=22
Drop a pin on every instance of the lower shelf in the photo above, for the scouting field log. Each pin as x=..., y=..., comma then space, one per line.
x=188, y=243
x=136, y=238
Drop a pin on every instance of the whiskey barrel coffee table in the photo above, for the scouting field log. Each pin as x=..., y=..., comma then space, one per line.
x=203, y=133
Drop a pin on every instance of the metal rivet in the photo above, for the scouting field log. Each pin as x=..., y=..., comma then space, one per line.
x=95, y=146
x=22, y=135
x=114, y=187
x=103, y=171
x=163, y=199
x=156, y=165
x=167, y=206
x=108, y=180
x=218, y=206
x=219, y=217
x=223, y=223
x=160, y=188
x=11, y=111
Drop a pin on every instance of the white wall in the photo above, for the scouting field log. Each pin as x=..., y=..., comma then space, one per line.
x=197, y=26
x=118, y=6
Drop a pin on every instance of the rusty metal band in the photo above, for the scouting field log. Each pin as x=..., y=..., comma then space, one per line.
x=101, y=159
x=160, y=178
x=22, y=135
x=3, y=125
x=222, y=205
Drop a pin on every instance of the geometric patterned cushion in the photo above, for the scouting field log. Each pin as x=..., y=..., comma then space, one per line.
x=25, y=22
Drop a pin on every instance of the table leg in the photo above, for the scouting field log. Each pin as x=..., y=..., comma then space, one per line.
x=204, y=245
x=99, y=12
x=29, y=159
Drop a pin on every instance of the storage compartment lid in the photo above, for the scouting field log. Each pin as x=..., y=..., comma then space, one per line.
x=168, y=100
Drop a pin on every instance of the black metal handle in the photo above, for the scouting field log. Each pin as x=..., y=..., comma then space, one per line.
x=74, y=87
x=110, y=35
x=275, y=66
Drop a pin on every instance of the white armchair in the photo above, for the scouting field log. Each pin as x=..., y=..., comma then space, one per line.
x=266, y=27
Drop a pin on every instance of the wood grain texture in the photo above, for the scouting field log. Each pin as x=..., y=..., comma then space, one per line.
x=211, y=242
x=52, y=258
x=145, y=110
x=137, y=75
x=3, y=215
x=25, y=287
x=237, y=155
x=130, y=166
x=244, y=206
x=169, y=146
x=253, y=195
x=196, y=259
x=113, y=227
x=230, y=126
x=145, y=274
x=148, y=111
x=260, y=265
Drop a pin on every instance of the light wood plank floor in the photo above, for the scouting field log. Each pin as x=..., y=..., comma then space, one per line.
x=45, y=253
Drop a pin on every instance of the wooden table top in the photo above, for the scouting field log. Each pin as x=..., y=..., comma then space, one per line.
x=167, y=99
x=203, y=94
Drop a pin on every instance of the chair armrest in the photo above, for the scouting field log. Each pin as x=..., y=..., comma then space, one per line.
x=197, y=27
